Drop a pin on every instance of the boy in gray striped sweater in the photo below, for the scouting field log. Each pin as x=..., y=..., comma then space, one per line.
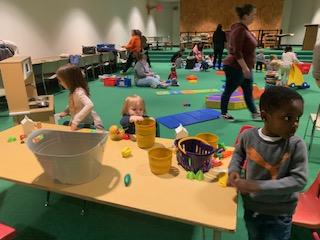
x=275, y=166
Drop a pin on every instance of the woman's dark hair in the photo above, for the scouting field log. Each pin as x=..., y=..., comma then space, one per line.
x=245, y=9
x=72, y=76
x=288, y=49
x=200, y=46
x=219, y=28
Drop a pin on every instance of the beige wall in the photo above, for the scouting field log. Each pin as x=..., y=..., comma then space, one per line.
x=296, y=14
x=44, y=28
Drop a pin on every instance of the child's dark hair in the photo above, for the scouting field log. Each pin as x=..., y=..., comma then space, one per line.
x=288, y=49
x=275, y=97
x=245, y=9
x=72, y=76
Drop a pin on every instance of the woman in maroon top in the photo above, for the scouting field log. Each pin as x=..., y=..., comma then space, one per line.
x=239, y=63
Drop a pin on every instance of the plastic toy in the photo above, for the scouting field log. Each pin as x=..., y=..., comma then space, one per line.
x=126, y=152
x=223, y=179
x=116, y=134
x=304, y=67
x=126, y=137
x=123, y=82
x=295, y=78
x=226, y=154
x=38, y=138
x=160, y=160
x=127, y=180
x=216, y=162
x=181, y=132
x=236, y=101
x=209, y=138
x=199, y=175
x=11, y=139
x=190, y=91
x=38, y=125
x=195, y=149
x=192, y=78
x=22, y=137
x=191, y=175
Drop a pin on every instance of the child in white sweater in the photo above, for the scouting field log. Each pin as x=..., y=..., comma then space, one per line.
x=80, y=106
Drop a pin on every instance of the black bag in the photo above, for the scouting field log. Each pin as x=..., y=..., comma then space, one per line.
x=88, y=50
x=5, y=51
x=191, y=61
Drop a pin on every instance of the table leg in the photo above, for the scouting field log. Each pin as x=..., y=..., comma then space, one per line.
x=46, y=204
x=203, y=233
x=83, y=210
x=216, y=234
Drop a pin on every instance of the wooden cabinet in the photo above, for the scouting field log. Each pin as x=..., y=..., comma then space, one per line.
x=20, y=87
x=310, y=36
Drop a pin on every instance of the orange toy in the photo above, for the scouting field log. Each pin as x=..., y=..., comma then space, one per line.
x=192, y=78
x=256, y=91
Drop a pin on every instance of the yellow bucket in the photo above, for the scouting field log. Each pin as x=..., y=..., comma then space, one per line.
x=145, y=133
x=160, y=160
x=209, y=138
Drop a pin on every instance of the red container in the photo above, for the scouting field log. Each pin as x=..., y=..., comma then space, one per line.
x=109, y=82
x=304, y=67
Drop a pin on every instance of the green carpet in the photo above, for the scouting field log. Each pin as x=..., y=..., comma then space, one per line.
x=22, y=207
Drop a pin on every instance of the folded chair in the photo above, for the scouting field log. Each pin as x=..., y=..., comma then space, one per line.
x=308, y=209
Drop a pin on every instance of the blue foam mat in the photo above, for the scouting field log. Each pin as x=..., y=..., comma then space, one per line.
x=188, y=118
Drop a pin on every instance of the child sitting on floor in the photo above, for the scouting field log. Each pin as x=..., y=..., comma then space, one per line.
x=80, y=106
x=276, y=166
x=272, y=77
x=172, y=78
x=134, y=110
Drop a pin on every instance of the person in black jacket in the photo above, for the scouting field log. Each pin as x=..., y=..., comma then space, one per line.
x=218, y=39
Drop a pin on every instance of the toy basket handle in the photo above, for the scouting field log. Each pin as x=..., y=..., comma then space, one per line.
x=189, y=138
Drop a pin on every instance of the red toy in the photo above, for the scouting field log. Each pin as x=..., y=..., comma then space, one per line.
x=308, y=209
x=304, y=67
x=6, y=232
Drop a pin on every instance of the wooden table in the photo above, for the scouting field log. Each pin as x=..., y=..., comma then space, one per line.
x=170, y=196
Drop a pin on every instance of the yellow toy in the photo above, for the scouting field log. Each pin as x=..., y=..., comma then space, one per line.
x=126, y=152
x=116, y=134
x=295, y=76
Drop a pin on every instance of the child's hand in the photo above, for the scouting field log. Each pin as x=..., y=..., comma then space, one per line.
x=246, y=186
x=136, y=118
x=74, y=127
x=234, y=176
x=63, y=114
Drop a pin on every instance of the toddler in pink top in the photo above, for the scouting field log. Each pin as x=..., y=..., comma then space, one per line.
x=80, y=106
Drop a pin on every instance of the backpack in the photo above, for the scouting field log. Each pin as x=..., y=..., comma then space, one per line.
x=5, y=51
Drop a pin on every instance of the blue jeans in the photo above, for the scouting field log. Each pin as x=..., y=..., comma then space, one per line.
x=266, y=227
x=149, y=81
x=235, y=79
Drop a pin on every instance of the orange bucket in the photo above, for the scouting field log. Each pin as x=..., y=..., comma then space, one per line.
x=160, y=160
x=209, y=138
x=146, y=132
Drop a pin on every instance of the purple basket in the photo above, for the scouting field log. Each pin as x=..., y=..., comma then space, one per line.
x=197, y=154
